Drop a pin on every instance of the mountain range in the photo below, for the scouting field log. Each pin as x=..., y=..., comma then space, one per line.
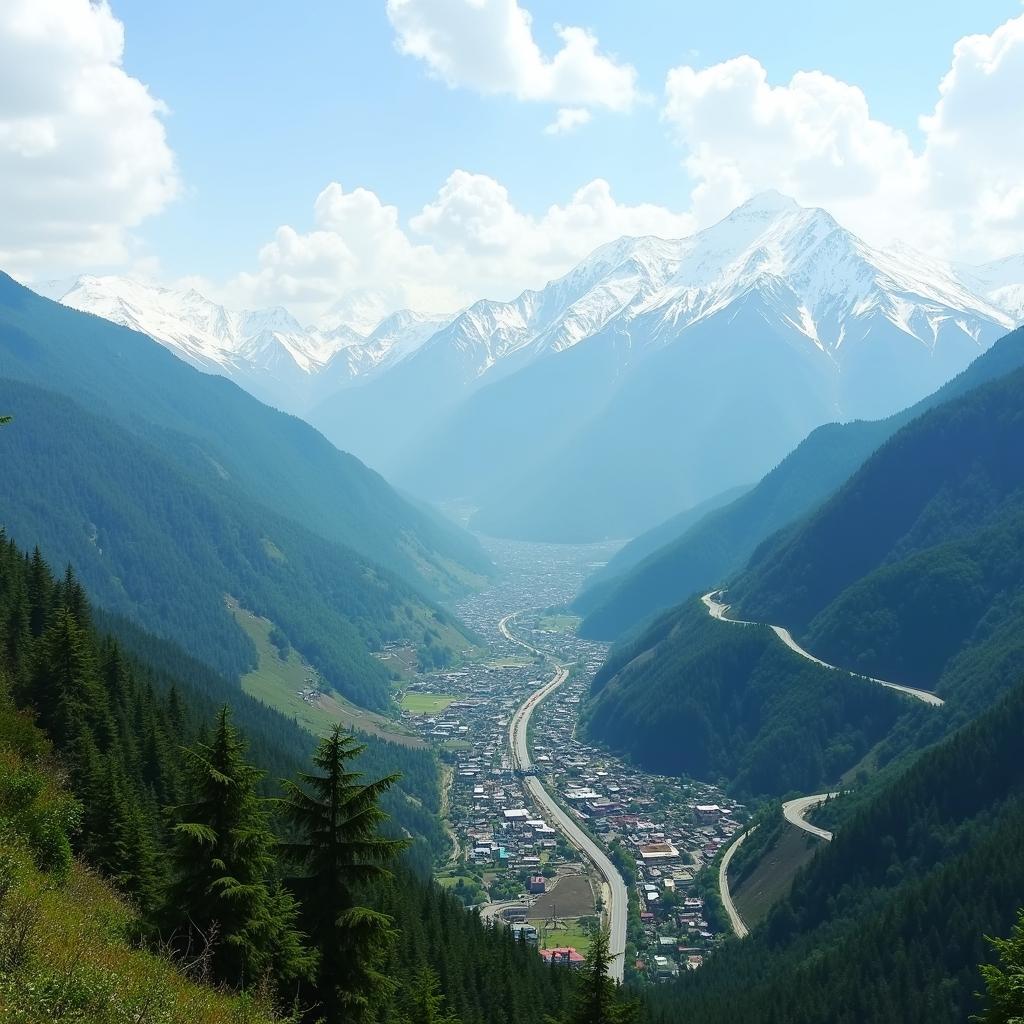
x=510, y=406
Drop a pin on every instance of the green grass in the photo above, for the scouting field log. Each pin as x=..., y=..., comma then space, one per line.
x=277, y=682
x=572, y=934
x=559, y=623
x=450, y=881
x=426, y=703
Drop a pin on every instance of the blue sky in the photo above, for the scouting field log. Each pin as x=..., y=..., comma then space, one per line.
x=266, y=104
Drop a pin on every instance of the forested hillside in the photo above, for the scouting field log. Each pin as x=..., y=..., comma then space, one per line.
x=713, y=700
x=214, y=430
x=888, y=921
x=167, y=806
x=712, y=550
x=915, y=564
x=166, y=547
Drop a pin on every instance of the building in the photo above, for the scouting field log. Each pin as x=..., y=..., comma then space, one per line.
x=536, y=884
x=563, y=956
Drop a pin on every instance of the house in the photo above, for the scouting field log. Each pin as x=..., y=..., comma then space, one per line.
x=664, y=967
x=563, y=956
x=536, y=884
x=707, y=813
x=658, y=851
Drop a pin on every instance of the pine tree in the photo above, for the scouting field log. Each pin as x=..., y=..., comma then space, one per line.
x=337, y=818
x=597, y=998
x=1005, y=984
x=423, y=1002
x=223, y=860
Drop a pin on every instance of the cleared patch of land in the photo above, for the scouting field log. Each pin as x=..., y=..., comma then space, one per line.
x=559, y=622
x=771, y=880
x=426, y=703
x=570, y=896
x=292, y=686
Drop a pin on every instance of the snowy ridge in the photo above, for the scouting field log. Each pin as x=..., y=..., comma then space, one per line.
x=796, y=268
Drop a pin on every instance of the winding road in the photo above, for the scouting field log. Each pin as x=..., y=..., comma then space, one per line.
x=795, y=811
x=717, y=610
x=739, y=929
x=616, y=898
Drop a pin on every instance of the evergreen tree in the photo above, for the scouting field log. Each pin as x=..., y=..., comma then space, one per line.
x=223, y=859
x=337, y=819
x=1005, y=985
x=423, y=1001
x=597, y=998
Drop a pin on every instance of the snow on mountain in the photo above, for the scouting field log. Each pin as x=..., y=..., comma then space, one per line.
x=1001, y=282
x=266, y=351
x=812, y=275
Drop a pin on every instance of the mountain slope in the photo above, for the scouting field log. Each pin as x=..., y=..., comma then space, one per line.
x=918, y=554
x=639, y=549
x=795, y=320
x=166, y=548
x=207, y=424
x=712, y=550
x=888, y=921
x=699, y=697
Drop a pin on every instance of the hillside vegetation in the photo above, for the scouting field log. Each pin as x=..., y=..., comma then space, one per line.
x=165, y=804
x=707, y=553
x=165, y=547
x=212, y=429
x=887, y=922
x=913, y=570
x=713, y=700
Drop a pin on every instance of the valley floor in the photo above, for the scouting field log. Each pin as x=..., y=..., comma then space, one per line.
x=511, y=857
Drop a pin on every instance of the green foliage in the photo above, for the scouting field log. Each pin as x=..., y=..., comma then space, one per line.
x=1004, y=983
x=596, y=1000
x=713, y=700
x=165, y=544
x=214, y=431
x=336, y=817
x=119, y=726
x=887, y=922
x=223, y=861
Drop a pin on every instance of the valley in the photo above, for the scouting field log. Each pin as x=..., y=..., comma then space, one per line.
x=533, y=809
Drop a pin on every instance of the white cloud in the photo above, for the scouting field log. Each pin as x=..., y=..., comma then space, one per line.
x=815, y=138
x=975, y=139
x=488, y=46
x=83, y=152
x=469, y=241
x=568, y=119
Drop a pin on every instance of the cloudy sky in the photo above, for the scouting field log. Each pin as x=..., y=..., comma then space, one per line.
x=436, y=151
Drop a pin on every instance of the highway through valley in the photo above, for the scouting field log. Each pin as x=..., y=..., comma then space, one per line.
x=615, y=895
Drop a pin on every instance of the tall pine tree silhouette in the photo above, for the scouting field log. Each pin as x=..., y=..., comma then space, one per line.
x=337, y=819
x=223, y=856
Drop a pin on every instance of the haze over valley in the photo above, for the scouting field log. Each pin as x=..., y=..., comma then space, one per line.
x=569, y=572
